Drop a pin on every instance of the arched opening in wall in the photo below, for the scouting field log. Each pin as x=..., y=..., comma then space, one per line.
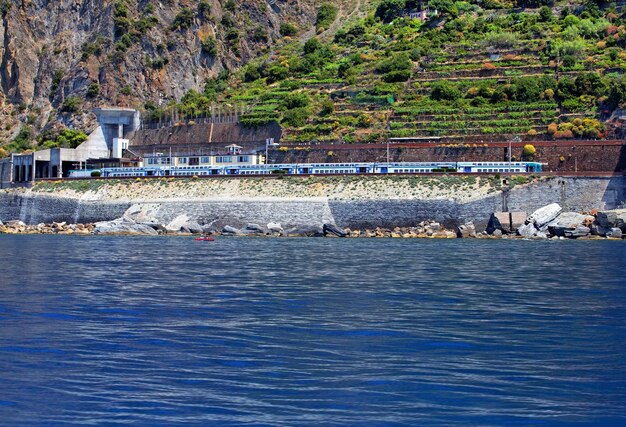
x=16, y=174
x=23, y=173
x=46, y=171
x=55, y=171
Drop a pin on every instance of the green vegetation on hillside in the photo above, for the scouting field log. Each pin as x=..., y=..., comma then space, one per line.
x=477, y=68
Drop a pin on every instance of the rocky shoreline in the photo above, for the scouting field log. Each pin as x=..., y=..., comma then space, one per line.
x=548, y=222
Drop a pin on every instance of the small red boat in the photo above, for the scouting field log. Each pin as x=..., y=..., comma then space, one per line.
x=204, y=239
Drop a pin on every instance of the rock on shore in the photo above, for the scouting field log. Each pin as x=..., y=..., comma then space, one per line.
x=550, y=221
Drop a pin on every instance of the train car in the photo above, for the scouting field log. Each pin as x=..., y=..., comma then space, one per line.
x=415, y=167
x=194, y=171
x=498, y=167
x=331, y=168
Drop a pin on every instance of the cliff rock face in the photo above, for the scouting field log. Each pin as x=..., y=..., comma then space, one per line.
x=60, y=58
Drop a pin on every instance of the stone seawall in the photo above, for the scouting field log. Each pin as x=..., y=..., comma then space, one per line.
x=383, y=202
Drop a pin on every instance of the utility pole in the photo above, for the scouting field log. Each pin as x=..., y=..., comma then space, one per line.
x=388, y=128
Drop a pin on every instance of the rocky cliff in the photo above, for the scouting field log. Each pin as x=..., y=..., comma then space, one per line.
x=60, y=58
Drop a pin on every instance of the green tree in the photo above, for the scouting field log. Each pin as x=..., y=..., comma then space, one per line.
x=443, y=90
x=388, y=10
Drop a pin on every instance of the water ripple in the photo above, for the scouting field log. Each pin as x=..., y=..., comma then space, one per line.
x=159, y=331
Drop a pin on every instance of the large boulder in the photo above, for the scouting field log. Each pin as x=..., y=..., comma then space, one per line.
x=498, y=221
x=527, y=230
x=274, y=227
x=193, y=227
x=177, y=224
x=614, y=233
x=231, y=230
x=579, y=231
x=304, y=231
x=544, y=215
x=332, y=230
x=144, y=213
x=466, y=230
x=566, y=221
x=612, y=219
x=254, y=229
x=121, y=226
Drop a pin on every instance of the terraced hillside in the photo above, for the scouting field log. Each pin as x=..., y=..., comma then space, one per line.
x=475, y=71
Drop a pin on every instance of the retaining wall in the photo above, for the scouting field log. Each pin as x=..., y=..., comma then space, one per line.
x=573, y=194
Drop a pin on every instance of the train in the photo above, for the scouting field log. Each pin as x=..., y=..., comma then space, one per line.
x=311, y=169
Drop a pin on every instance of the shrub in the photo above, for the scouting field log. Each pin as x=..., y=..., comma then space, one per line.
x=397, y=76
x=296, y=100
x=209, y=45
x=230, y=5
x=296, y=117
x=328, y=107
x=71, y=104
x=96, y=173
x=545, y=14
x=56, y=81
x=204, y=8
x=529, y=151
x=552, y=128
x=400, y=62
x=443, y=90
x=93, y=90
x=22, y=141
x=326, y=14
x=277, y=73
x=68, y=138
x=183, y=20
x=287, y=29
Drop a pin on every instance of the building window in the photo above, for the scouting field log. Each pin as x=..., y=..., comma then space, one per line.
x=205, y=160
x=182, y=160
x=243, y=159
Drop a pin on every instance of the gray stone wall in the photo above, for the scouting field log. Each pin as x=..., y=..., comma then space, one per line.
x=573, y=194
x=5, y=173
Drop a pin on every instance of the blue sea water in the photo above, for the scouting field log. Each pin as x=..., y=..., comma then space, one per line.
x=323, y=332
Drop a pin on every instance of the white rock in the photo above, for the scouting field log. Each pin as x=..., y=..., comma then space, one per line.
x=527, y=230
x=274, y=227
x=544, y=215
x=177, y=223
